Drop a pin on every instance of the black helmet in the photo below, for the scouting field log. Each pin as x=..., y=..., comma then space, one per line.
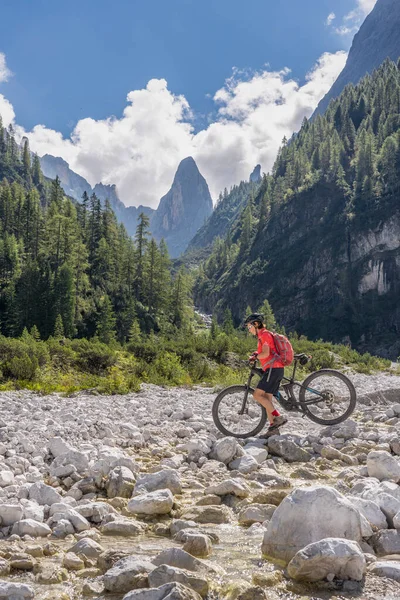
x=253, y=318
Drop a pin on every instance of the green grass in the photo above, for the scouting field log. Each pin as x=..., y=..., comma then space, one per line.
x=188, y=358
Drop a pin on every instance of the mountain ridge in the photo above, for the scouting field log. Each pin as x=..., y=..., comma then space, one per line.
x=377, y=39
x=179, y=215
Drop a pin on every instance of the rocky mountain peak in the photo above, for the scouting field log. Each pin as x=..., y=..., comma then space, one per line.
x=377, y=39
x=256, y=174
x=184, y=209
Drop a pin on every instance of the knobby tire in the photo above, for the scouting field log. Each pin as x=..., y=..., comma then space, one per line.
x=313, y=377
x=231, y=390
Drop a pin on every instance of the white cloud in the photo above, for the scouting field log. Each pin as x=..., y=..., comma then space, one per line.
x=365, y=6
x=6, y=109
x=353, y=19
x=344, y=30
x=5, y=72
x=141, y=150
x=330, y=18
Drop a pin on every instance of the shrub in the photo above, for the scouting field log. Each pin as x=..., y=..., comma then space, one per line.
x=21, y=367
x=322, y=359
x=93, y=356
x=167, y=369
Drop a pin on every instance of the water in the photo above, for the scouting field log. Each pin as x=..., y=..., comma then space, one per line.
x=237, y=552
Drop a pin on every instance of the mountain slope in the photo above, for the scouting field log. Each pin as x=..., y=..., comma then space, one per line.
x=183, y=209
x=74, y=185
x=225, y=213
x=324, y=244
x=377, y=39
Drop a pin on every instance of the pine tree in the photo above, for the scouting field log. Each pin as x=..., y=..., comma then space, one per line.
x=134, y=332
x=227, y=325
x=58, y=328
x=269, y=318
x=142, y=233
x=35, y=334
x=106, y=321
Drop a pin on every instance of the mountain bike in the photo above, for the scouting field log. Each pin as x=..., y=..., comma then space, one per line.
x=326, y=397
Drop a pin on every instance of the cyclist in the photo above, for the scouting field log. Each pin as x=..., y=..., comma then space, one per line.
x=273, y=371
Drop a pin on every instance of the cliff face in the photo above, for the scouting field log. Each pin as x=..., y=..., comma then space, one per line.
x=184, y=209
x=377, y=39
x=324, y=277
x=73, y=184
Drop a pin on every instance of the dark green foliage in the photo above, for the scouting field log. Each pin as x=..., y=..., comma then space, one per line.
x=93, y=356
x=296, y=242
x=70, y=269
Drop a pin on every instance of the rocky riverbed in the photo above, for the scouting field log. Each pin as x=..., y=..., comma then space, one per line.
x=138, y=497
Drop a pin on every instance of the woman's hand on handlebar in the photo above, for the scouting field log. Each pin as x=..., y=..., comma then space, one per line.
x=253, y=358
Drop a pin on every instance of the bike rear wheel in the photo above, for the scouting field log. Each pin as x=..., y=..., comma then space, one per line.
x=227, y=406
x=338, y=397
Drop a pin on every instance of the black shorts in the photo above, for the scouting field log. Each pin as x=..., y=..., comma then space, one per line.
x=271, y=386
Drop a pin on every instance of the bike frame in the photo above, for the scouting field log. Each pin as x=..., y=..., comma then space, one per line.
x=287, y=387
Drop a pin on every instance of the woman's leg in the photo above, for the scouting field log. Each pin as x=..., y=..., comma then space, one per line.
x=266, y=401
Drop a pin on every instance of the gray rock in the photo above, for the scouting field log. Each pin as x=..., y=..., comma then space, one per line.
x=73, y=457
x=32, y=510
x=15, y=591
x=122, y=527
x=334, y=454
x=123, y=576
x=120, y=483
x=87, y=547
x=287, y=449
x=389, y=505
x=235, y=487
x=6, y=478
x=309, y=515
x=336, y=556
x=208, y=514
x=256, y=513
x=44, y=494
x=10, y=514
x=31, y=527
x=197, y=544
x=244, y=464
x=383, y=466
x=178, y=524
x=168, y=591
x=385, y=568
x=73, y=562
x=176, y=557
x=59, y=446
x=260, y=454
x=161, y=480
x=167, y=574
x=386, y=542
x=224, y=450
x=159, y=502
x=371, y=512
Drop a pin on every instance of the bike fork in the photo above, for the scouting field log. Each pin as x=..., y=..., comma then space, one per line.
x=244, y=405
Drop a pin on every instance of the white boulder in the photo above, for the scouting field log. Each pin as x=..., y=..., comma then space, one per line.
x=308, y=515
x=161, y=480
x=336, y=556
x=159, y=502
x=383, y=466
x=31, y=527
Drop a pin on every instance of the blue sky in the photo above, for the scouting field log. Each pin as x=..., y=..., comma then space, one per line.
x=73, y=63
x=74, y=59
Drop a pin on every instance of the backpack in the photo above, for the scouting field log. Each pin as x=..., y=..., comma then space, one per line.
x=284, y=349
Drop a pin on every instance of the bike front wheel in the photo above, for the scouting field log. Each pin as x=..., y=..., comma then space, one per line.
x=337, y=395
x=227, y=408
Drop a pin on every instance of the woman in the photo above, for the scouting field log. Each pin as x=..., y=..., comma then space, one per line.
x=273, y=371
